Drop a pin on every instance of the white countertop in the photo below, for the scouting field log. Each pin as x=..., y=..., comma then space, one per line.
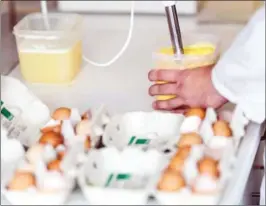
x=124, y=85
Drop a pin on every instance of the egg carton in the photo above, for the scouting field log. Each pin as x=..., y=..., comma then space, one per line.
x=50, y=187
x=22, y=113
x=121, y=177
x=144, y=130
x=211, y=190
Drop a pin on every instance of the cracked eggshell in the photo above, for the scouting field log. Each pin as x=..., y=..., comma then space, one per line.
x=83, y=128
x=49, y=153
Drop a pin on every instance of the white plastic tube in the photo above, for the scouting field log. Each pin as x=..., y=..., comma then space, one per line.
x=44, y=10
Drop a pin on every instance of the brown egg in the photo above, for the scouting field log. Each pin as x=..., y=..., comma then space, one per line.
x=87, y=143
x=189, y=139
x=171, y=181
x=62, y=113
x=222, y=128
x=208, y=166
x=83, y=127
x=195, y=112
x=22, y=180
x=56, y=129
x=183, y=152
x=61, y=155
x=177, y=162
x=52, y=138
x=86, y=115
x=54, y=165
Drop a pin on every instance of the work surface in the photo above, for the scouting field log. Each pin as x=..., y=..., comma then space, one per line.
x=122, y=86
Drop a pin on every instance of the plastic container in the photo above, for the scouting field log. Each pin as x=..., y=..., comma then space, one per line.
x=50, y=53
x=200, y=50
x=22, y=113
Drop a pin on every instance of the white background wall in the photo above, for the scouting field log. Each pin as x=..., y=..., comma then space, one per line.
x=184, y=7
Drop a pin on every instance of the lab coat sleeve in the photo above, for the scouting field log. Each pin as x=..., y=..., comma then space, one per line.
x=240, y=74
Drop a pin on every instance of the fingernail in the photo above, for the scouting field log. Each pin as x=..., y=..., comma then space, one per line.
x=153, y=90
x=152, y=75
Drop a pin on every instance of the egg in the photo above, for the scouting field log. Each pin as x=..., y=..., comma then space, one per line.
x=189, y=139
x=86, y=115
x=87, y=143
x=52, y=138
x=54, y=165
x=177, y=162
x=83, y=128
x=171, y=181
x=195, y=112
x=56, y=129
x=22, y=180
x=62, y=113
x=208, y=166
x=222, y=128
x=34, y=153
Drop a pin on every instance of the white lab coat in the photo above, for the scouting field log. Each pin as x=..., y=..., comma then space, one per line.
x=240, y=74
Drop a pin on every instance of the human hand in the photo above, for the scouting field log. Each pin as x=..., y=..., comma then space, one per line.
x=193, y=88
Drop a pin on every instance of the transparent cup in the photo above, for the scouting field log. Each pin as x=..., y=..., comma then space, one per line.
x=199, y=50
x=50, y=50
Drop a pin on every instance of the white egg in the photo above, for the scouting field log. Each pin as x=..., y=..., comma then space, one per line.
x=190, y=124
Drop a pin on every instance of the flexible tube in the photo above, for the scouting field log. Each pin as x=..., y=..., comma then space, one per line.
x=44, y=11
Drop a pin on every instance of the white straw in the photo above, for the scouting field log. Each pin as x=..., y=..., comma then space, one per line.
x=45, y=14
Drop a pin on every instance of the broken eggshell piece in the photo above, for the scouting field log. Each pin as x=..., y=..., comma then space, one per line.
x=52, y=125
x=205, y=185
x=74, y=116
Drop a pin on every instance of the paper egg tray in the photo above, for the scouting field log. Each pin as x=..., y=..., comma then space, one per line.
x=74, y=154
x=108, y=171
x=158, y=131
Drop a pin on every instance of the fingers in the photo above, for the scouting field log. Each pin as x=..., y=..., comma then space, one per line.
x=164, y=75
x=171, y=104
x=158, y=89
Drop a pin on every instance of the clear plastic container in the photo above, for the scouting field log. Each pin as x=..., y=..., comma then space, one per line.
x=49, y=53
x=200, y=50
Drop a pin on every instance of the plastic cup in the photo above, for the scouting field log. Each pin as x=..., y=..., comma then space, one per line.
x=199, y=50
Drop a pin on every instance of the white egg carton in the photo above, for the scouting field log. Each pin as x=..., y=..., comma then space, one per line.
x=45, y=179
x=22, y=113
x=145, y=130
x=107, y=171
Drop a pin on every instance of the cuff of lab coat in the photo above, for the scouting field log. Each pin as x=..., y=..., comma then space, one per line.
x=221, y=88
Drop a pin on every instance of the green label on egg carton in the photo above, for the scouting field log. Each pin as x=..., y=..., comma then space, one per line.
x=126, y=181
x=116, y=177
x=6, y=113
x=138, y=141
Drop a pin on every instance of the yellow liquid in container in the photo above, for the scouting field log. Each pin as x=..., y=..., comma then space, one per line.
x=52, y=66
x=201, y=50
